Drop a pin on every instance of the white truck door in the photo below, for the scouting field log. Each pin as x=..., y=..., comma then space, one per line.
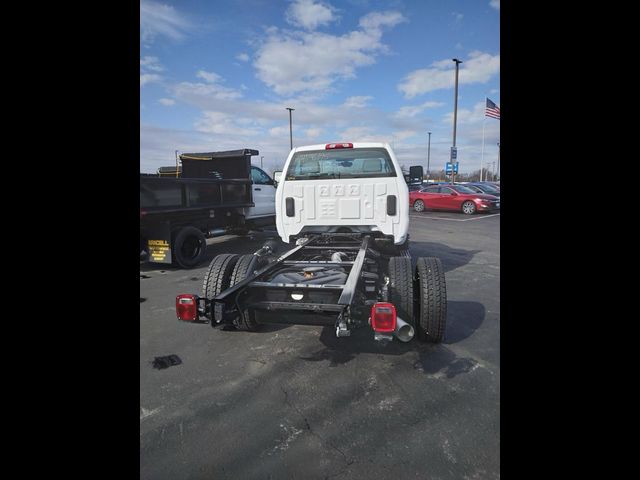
x=264, y=194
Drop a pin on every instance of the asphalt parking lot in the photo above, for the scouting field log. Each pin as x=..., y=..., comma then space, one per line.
x=297, y=402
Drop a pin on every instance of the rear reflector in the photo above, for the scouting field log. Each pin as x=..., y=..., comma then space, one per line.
x=187, y=307
x=331, y=146
x=383, y=317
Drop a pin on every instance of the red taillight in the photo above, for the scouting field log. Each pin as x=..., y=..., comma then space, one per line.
x=331, y=146
x=187, y=307
x=383, y=317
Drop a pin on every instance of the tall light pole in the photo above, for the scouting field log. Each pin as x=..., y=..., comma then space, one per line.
x=176, y=163
x=498, y=159
x=428, y=156
x=261, y=158
x=455, y=118
x=290, y=127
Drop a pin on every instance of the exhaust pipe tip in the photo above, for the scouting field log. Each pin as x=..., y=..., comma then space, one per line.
x=403, y=332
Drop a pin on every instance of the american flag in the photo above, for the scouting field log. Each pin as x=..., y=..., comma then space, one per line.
x=492, y=110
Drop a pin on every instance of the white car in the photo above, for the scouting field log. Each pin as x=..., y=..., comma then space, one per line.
x=342, y=187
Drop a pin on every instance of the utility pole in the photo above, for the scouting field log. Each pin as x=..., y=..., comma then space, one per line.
x=455, y=120
x=261, y=158
x=176, y=163
x=493, y=172
x=290, y=127
x=428, y=156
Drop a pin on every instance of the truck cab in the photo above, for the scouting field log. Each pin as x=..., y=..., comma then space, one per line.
x=342, y=187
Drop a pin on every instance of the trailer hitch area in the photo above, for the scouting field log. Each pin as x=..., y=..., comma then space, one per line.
x=221, y=313
x=341, y=327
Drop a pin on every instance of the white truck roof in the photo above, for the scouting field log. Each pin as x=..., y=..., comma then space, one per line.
x=322, y=146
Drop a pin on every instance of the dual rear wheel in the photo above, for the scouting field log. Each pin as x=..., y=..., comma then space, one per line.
x=420, y=295
x=225, y=271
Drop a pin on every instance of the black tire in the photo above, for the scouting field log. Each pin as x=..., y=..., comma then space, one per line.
x=189, y=247
x=246, y=265
x=401, y=288
x=430, y=299
x=218, y=277
x=420, y=206
x=468, y=207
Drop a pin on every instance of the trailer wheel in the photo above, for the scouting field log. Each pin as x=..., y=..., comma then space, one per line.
x=246, y=265
x=189, y=247
x=430, y=299
x=401, y=288
x=218, y=277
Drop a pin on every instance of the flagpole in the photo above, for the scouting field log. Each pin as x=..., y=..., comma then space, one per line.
x=484, y=118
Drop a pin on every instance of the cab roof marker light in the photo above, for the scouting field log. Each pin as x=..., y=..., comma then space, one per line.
x=332, y=146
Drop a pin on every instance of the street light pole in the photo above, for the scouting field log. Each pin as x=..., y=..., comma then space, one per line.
x=455, y=119
x=261, y=158
x=176, y=163
x=290, y=127
x=428, y=156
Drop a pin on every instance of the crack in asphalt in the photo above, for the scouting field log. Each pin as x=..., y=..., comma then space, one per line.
x=315, y=434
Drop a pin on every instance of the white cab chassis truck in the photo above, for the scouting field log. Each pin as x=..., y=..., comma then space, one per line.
x=344, y=209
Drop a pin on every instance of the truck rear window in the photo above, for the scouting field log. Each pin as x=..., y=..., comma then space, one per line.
x=342, y=163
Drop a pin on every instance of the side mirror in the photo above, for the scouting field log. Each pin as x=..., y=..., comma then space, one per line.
x=276, y=177
x=416, y=172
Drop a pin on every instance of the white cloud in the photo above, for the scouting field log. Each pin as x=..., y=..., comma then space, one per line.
x=466, y=116
x=243, y=57
x=313, y=132
x=457, y=17
x=157, y=19
x=376, y=20
x=291, y=62
x=211, y=90
x=309, y=14
x=222, y=124
x=151, y=63
x=404, y=134
x=479, y=68
x=362, y=134
x=167, y=102
x=149, y=78
x=357, y=102
x=279, y=131
x=412, y=111
x=210, y=77
x=495, y=4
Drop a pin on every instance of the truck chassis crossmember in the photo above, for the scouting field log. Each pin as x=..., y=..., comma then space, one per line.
x=293, y=301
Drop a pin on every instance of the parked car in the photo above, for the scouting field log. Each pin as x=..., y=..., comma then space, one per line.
x=453, y=197
x=415, y=187
x=487, y=188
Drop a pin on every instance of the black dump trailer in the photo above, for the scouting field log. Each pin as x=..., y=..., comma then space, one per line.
x=205, y=199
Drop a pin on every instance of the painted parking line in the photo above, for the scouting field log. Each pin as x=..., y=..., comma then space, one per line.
x=454, y=219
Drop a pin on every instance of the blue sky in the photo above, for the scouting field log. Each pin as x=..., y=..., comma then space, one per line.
x=217, y=75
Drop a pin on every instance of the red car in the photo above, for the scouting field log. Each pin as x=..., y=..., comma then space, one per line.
x=452, y=197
